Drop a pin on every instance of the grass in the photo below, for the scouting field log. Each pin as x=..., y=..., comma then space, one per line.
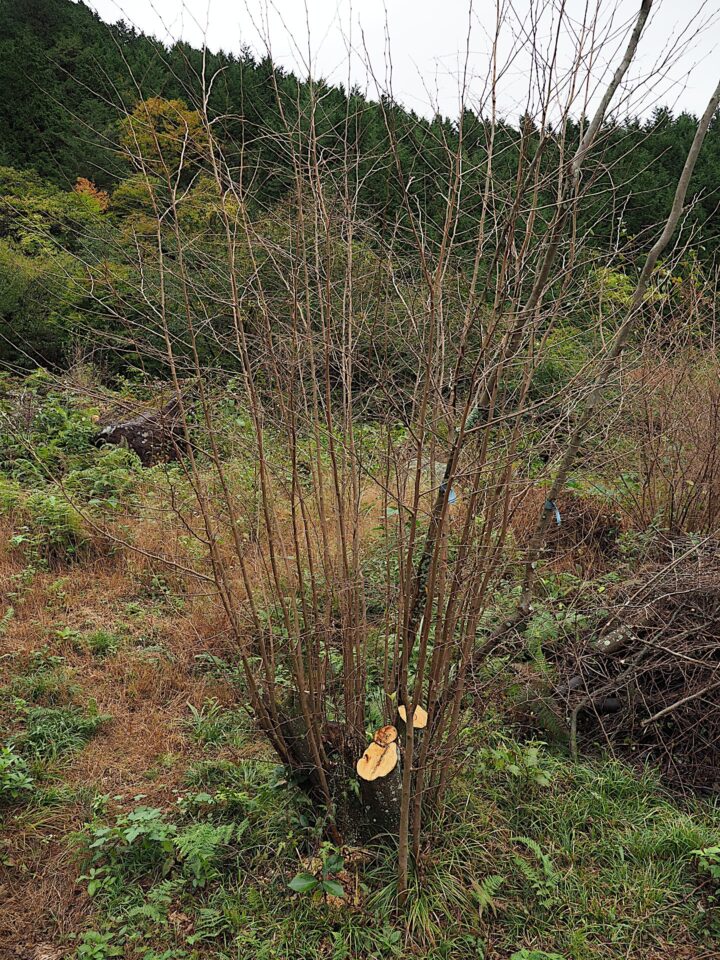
x=213, y=725
x=604, y=862
x=102, y=643
x=46, y=680
x=50, y=733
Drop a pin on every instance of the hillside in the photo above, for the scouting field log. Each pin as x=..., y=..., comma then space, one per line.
x=80, y=75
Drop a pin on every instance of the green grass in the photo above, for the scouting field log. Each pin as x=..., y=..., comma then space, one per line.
x=102, y=643
x=43, y=678
x=213, y=725
x=579, y=863
x=50, y=733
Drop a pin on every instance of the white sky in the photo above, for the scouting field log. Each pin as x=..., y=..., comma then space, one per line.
x=428, y=40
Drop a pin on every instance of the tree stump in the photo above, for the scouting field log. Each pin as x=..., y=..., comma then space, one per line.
x=379, y=770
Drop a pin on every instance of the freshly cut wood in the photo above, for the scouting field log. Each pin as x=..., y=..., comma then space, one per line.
x=378, y=761
x=379, y=770
x=420, y=716
x=386, y=735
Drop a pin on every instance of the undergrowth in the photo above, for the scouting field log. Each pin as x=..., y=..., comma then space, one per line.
x=533, y=854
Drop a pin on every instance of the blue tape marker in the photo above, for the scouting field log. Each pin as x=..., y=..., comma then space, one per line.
x=452, y=496
x=552, y=507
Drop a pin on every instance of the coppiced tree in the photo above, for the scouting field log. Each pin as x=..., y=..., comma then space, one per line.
x=398, y=367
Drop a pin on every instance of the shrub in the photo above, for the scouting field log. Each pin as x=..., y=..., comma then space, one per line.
x=55, y=533
x=138, y=843
x=10, y=496
x=110, y=477
x=44, y=436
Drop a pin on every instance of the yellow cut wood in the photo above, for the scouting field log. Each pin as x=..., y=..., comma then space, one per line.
x=377, y=761
x=386, y=735
x=420, y=717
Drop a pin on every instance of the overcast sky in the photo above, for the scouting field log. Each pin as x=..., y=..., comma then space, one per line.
x=428, y=43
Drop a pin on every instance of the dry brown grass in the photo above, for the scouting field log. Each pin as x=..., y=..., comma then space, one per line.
x=585, y=542
x=143, y=749
x=674, y=426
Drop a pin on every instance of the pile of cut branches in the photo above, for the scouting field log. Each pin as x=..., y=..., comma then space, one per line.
x=649, y=686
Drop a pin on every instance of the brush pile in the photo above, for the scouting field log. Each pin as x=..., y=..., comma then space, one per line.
x=649, y=686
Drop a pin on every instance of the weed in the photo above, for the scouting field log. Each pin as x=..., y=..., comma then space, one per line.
x=55, y=532
x=213, y=725
x=525, y=763
x=10, y=496
x=21, y=582
x=213, y=773
x=323, y=879
x=202, y=846
x=6, y=620
x=97, y=946
x=543, y=878
x=525, y=954
x=69, y=635
x=102, y=643
x=108, y=480
x=52, y=732
x=708, y=861
x=158, y=588
x=15, y=780
x=46, y=681
x=139, y=843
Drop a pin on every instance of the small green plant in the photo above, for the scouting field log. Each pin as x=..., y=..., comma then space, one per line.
x=108, y=480
x=213, y=725
x=70, y=635
x=97, y=946
x=322, y=880
x=139, y=843
x=201, y=847
x=48, y=688
x=45, y=680
x=543, y=878
x=523, y=762
x=709, y=861
x=526, y=954
x=485, y=891
x=102, y=643
x=15, y=780
x=6, y=620
x=206, y=724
